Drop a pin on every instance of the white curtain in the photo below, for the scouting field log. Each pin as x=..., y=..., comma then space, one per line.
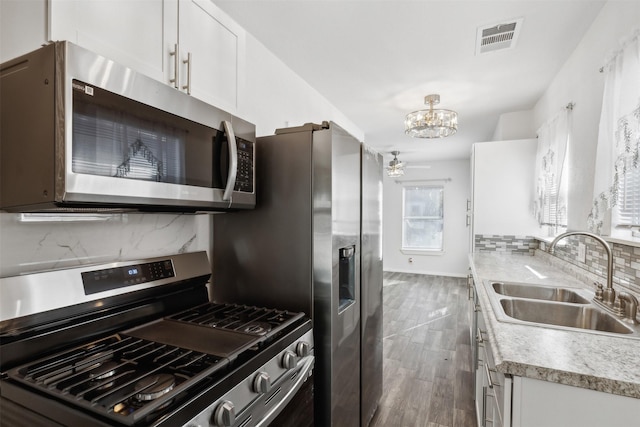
x=619, y=133
x=550, y=205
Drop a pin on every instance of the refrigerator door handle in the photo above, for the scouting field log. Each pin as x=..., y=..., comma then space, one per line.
x=233, y=161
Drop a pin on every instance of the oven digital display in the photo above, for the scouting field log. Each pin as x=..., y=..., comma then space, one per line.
x=120, y=277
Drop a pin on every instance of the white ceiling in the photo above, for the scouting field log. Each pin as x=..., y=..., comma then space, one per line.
x=375, y=60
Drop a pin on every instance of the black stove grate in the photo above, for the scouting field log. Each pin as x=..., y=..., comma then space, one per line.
x=120, y=377
x=239, y=318
x=140, y=376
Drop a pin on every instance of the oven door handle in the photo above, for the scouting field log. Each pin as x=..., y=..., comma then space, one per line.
x=233, y=161
x=303, y=374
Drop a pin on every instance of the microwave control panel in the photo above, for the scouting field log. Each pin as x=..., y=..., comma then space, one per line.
x=244, y=178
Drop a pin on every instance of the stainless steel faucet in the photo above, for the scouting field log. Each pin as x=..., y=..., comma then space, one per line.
x=629, y=307
x=608, y=294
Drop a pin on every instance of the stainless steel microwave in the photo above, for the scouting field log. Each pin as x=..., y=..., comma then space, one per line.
x=79, y=131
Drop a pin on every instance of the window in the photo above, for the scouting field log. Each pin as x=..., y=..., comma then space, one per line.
x=422, y=217
x=616, y=178
x=628, y=208
x=554, y=210
x=550, y=205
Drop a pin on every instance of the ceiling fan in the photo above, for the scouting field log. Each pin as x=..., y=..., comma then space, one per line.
x=396, y=168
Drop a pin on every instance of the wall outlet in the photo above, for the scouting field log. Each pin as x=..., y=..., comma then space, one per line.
x=582, y=253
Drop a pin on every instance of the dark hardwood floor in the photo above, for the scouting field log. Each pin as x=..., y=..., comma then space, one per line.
x=427, y=355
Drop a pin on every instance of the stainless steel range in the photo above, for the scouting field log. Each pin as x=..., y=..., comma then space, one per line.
x=140, y=343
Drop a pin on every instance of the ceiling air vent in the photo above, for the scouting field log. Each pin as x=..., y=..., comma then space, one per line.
x=498, y=36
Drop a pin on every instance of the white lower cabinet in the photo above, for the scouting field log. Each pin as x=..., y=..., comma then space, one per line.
x=505, y=401
x=538, y=403
x=513, y=401
x=492, y=388
x=471, y=316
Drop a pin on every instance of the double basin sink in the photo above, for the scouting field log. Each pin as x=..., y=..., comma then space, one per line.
x=555, y=307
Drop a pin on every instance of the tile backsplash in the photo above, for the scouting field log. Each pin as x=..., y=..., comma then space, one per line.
x=505, y=243
x=39, y=242
x=626, y=259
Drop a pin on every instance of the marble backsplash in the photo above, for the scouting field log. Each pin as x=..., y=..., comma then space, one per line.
x=40, y=242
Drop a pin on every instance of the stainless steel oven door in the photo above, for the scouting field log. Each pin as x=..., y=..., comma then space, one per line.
x=258, y=399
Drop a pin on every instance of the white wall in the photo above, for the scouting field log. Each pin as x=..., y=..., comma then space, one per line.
x=579, y=81
x=454, y=260
x=276, y=97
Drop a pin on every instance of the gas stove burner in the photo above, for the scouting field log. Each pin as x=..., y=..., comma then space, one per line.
x=160, y=355
x=93, y=361
x=257, y=328
x=154, y=386
x=105, y=370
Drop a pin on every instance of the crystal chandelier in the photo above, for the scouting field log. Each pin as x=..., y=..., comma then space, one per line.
x=396, y=167
x=431, y=123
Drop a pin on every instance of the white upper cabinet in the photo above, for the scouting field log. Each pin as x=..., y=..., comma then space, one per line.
x=503, y=187
x=137, y=34
x=23, y=27
x=188, y=44
x=216, y=47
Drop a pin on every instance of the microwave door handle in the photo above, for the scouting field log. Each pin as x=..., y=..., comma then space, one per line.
x=233, y=160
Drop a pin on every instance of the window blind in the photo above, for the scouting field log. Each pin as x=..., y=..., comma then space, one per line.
x=628, y=210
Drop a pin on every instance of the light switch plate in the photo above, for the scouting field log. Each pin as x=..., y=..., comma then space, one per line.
x=582, y=253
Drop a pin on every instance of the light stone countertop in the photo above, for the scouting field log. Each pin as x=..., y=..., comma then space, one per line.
x=599, y=362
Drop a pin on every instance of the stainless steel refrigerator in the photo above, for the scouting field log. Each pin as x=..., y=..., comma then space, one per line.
x=313, y=244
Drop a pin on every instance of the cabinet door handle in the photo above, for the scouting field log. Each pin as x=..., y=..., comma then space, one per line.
x=489, y=380
x=176, y=66
x=187, y=61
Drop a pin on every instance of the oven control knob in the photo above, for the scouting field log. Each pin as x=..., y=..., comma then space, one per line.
x=289, y=360
x=225, y=414
x=303, y=348
x=262, y=383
